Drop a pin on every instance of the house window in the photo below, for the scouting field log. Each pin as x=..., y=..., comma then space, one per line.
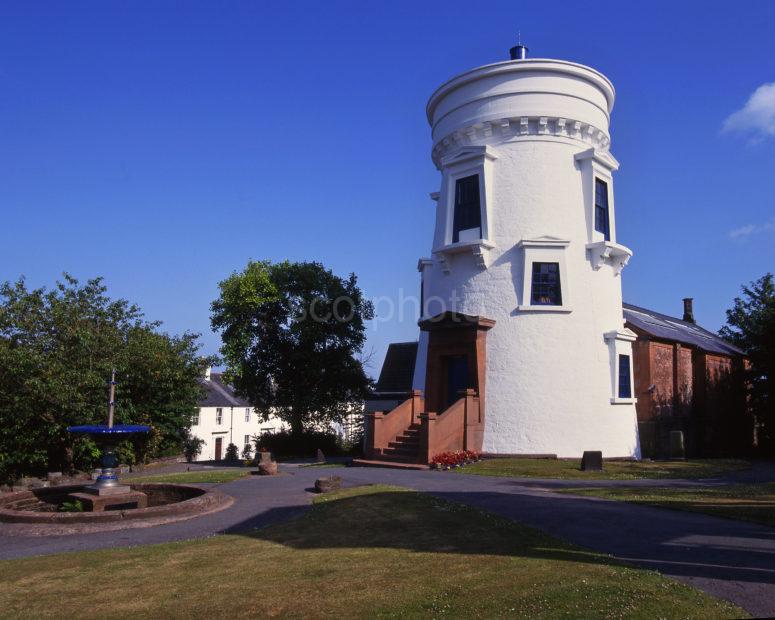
x=195, y=419
x=601, y=209
x=247, y=440
x=625, y=385
x=546, y=288
x=247, y=414
x=467, y=219
x=219, y=416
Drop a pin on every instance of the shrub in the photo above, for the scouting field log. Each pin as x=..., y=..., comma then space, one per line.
x=74, y=506
x=352, y=442
x=232, y=453
x=247, y=452
x=125, y=453
x=284, y=444
x=86, y=454
x=192, y=447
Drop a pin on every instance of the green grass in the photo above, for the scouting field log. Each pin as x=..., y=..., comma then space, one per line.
x=745, y=502
x=193, y=477
x=612, y=470
x=367, y=552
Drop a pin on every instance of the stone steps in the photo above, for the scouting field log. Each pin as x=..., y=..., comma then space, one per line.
x=402, y=443
x=401, y=457
x=405, y=448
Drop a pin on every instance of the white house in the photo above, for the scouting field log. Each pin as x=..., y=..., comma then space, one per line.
x=521, y=291
x=224, y=418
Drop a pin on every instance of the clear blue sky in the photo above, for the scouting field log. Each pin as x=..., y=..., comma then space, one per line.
x=163, y=144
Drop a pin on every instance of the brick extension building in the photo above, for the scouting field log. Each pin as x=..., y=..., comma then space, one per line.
x=687, y=379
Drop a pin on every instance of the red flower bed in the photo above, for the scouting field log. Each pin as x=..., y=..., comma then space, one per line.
x=445, y=460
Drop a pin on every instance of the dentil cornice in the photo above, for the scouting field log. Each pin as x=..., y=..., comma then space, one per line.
x=507, y=129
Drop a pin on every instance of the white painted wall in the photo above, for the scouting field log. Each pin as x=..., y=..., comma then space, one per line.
x=233, y=428
x=538, y=129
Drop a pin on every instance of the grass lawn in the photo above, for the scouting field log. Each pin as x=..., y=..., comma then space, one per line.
x=747, y=502
x=192, y=477
x=612, y=470
x=324, y=465
x=368, y=552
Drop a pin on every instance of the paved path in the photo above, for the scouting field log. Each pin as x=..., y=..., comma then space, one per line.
x=730, y=559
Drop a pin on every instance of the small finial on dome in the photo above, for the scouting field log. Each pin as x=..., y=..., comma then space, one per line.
x=519, y=51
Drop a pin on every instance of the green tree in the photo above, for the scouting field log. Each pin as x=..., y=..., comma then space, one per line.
x=291, y=336
x=751, y=326
x=57, y=349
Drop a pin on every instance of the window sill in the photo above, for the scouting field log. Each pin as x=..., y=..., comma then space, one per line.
x=624, y=401
x=464, y=246
x=478, y=248
x=539, y=308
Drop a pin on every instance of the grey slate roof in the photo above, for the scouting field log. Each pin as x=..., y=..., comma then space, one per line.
x=397, y=369
x=219, y=394
x=666, y=327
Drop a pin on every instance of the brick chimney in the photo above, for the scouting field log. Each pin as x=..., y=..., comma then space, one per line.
x=689, y=310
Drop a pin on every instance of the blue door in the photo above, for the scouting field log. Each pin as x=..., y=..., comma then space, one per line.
x=457, y=378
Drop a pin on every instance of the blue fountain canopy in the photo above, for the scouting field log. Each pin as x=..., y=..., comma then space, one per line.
x=104, y=429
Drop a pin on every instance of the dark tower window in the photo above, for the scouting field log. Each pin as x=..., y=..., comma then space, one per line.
x=601, y=209
x=625, y=384
x=545, y=289
x=468, y=212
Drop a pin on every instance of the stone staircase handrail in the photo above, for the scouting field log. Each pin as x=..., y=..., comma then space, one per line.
x=453, y=429
x=383, y=427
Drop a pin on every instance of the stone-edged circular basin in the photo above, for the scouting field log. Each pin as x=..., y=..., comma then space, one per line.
x=166, y=503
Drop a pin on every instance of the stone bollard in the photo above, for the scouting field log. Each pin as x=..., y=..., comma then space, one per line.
x=267, y=468
x=677, y=450
x=592, y=460
x=324, y=485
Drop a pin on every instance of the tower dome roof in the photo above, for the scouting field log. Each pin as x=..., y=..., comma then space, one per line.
x=534, y=88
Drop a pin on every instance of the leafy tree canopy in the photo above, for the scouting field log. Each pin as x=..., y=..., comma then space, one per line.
x=57, y=349
x=751, y=326
x=292, y=333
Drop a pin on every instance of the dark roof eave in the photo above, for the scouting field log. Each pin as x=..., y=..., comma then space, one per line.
x=679, y=331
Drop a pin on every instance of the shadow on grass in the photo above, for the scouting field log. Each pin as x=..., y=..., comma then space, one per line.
x=394, y=519
x=419, y=523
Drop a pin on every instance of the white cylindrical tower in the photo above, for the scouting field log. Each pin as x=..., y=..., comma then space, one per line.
x=525, y=237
